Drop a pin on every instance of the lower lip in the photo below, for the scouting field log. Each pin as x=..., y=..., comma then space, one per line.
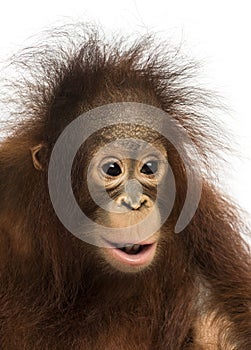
x=143, y=258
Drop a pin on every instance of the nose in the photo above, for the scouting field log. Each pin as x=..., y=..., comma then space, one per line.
x=133, y=197
x=125, y=200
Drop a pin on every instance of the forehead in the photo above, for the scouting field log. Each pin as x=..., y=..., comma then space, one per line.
x=127, y=138
x=123, y=132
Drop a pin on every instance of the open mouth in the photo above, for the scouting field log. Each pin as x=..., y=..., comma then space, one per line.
x=140, y=254
x=134, y=248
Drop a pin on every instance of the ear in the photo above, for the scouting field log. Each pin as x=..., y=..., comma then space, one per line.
x=38, y=154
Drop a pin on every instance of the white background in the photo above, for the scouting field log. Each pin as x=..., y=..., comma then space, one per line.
x=217, y=33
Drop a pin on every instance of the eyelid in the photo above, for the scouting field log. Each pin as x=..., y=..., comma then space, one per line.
x=150, y=157
x=146, y=164
x=109, y=160
x=149, y=160
x=162, y=164
x=108, y=166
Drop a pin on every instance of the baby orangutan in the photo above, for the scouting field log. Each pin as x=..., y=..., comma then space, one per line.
x=124, y=277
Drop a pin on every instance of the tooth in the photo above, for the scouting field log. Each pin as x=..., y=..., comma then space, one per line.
x=128, y=249
x=131, y=248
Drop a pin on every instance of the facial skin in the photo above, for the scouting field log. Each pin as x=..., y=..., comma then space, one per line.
x=124, y=177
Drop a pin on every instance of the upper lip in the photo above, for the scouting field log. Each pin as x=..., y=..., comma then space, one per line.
x=124, y=244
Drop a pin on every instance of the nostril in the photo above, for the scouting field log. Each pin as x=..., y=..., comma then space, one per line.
x=126, y=204
x=129, y=205
x=145, y=201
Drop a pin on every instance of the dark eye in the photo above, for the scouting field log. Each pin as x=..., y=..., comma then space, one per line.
x=149, y=168
x=111, y=169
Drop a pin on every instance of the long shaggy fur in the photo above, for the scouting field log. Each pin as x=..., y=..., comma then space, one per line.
x=56, y=292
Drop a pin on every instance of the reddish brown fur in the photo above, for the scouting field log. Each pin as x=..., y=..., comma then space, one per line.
x=57, y=292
